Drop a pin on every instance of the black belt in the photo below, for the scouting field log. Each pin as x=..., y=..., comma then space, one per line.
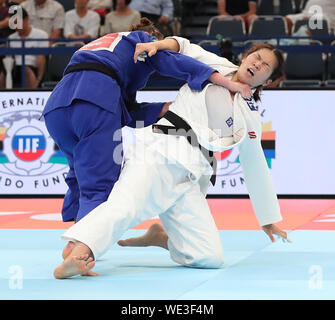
x=92, y=66
x=178, y=124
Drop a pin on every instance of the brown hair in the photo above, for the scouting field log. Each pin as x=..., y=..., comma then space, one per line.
x=278, y=73
x=147, y=26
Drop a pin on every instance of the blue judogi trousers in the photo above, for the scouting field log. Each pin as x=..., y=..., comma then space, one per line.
x=90, y=139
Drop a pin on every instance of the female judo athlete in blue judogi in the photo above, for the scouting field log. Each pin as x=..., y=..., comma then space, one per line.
x=97, y=97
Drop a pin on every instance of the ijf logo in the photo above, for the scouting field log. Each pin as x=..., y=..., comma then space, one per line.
x=29, y=159
x=27, y=145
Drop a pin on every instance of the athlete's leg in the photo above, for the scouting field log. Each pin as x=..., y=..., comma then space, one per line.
x=59, y=125
x=97, y=156
x=188, y=231
x=61, y=130
x=193, y=238
x=142, y=192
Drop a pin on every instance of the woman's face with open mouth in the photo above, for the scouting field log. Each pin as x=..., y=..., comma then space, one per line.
x=257, y=67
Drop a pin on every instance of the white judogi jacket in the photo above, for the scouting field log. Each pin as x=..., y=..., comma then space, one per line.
x=247, y=132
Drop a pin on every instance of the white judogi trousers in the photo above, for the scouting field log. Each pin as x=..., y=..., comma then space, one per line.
x=148, y=186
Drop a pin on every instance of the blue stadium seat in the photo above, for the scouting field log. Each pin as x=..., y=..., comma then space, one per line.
x=331, y=64
x=211, y=46
x=286, y=7
x=324, y=31
x=299, y=5
x=265, y=7
x=305, y=65
x=232, y=27
x=300, y=83
x=56, y=66
x=264, y=26
x=57, y=63
x=330, y=84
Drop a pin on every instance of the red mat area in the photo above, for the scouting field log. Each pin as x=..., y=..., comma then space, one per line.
x=229, y=214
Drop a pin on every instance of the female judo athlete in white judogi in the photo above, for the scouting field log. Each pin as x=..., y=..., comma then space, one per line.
x=96, y=98
x=167, y=175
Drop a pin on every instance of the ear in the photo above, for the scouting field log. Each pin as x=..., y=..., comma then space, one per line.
x=267, y=83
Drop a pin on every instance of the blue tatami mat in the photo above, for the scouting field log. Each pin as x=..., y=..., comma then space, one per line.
x=255, y=268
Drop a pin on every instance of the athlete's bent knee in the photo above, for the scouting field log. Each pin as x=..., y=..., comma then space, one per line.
x=206, y=261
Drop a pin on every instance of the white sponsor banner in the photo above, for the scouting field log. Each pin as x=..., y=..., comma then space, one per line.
x=303, y=122
x=298, y=142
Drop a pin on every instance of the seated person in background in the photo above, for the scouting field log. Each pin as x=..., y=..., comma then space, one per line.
x=244, y=8
x=81, y=23
x=236, y=7
x=34, y=64
x=5, y=31
x=4, y=20
x=120, y=19
x=47, y=15
x=160, y=12
x=315, y=9
x=102, y=7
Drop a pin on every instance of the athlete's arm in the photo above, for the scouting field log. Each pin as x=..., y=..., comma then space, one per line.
x=171, y=44
x=152, y=47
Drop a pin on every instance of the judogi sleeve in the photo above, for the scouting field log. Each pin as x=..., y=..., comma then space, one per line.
x=187, y=48
x=176, y=65
x=144, y=113
x=147, y=115
x=195, y=51
x=259, y=182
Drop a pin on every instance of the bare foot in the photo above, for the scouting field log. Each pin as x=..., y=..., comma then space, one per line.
x=68, y=249
x=155, y=236
x=75, y=265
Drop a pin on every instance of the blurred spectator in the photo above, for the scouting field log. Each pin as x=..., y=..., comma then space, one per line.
x=160, y=12
x=47, y=15
x=4, y=20
x=242, y=8
x=245, y=8
x=34, y=64
x=4, y=28
x=80, y=22
x=314, y=9
x=303, y=31
x=102, y=7
x=120, y=19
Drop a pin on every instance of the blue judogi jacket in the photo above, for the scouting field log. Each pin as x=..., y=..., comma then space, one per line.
x=116, y=51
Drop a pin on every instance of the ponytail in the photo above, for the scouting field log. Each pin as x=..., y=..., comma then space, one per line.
x=147, y=26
